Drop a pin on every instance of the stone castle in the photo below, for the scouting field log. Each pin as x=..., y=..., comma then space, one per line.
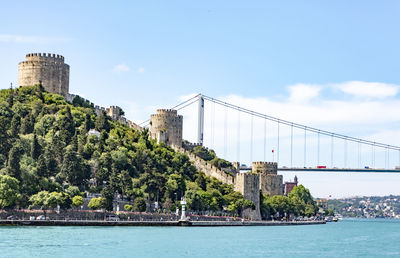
x=46, y=69
x=166, y=127
x=52, y=73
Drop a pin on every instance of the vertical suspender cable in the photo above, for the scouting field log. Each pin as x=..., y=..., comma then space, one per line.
x=359, y=154
x=373, y=155
x=277, y=158
x=212, y=123
x=265, y=140
x=251, y=141
x=318, y=150
x=225, y=132
x=388, y=158
x=345, y=153
x=291, y=146
x=305, y=145
x=238, y=139
x=332, y=151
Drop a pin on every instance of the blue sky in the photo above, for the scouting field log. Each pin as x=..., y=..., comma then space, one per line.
x=332, y=65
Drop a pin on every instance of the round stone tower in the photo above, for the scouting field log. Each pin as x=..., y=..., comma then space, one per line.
x=166, y=126
x=48, y=69
x=267, y=168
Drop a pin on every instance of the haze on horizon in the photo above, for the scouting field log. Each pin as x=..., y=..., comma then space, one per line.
x=328, y=65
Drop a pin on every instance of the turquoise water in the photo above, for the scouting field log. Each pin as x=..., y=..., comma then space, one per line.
x=347, y=238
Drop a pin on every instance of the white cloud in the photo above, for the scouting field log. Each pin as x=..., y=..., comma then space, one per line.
x=303, y=92
x=369, y=89
x=8, y=38
x=140, y=70
x=121, y=68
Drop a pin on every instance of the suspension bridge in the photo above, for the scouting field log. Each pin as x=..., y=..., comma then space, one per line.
x=237, y=131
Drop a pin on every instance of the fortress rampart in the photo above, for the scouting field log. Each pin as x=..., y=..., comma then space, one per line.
x=47, y=69
x=206, y=167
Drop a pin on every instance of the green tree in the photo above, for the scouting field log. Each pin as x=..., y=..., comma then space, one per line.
x=40, y=200
x=41, y=168
x=97, y=203
x=15, y=126
x=75, y=168
x=73, y=191
x=139, y=204
x=14, y=158
x=108, y=195
x=77, y=201
x=9, y=191
x=102, y=123
x=5, y=144
x=175, y=184
x=27, y=124
x=66, y=125
x=36, y=148
x=128, y=207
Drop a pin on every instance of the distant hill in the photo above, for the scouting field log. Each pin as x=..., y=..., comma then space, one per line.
x=367, y=207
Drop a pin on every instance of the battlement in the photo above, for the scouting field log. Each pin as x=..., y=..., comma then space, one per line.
x=170, y=112
x=263, y=163
x=44, y=57
x=265, y=167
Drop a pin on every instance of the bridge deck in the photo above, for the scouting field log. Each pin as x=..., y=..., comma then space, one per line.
x=359, y=170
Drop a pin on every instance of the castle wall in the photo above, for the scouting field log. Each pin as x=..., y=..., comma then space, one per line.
x=248, y=184
x=206, y=167
x=271, y=184
x=170, y=123
x=49, y=69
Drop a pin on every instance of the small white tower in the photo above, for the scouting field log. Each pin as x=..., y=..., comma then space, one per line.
x=183, y=216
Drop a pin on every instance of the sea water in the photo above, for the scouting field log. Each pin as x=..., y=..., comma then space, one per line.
x=347, y=238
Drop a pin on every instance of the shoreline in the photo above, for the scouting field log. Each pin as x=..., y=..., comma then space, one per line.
x=154, y=223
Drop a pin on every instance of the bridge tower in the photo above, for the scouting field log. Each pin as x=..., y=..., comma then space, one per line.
x=200, y=124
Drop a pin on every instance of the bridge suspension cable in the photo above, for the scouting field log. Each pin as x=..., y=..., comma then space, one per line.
x=238, y=139
x=318, y=163
x=178, y=107
x=300, y=126
x=305, y=146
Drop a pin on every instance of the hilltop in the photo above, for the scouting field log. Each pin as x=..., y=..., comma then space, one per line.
x=49, y=145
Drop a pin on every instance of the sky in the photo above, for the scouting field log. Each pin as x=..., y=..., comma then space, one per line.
x=332, y=65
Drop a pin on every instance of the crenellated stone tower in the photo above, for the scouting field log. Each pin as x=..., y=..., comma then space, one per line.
x=248, y=184
x=270, y=182
x=166, y=126
x=48, y=69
